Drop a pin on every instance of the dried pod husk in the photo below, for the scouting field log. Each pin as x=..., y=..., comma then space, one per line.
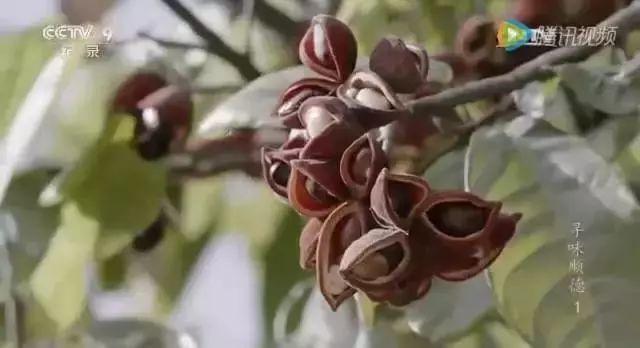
x=164, y=123
x=476, y=40
x=422, y=58
x=459, y=68
x=330, y=126
x=341, y=228
x=315, y=187
x=308, y=243
x=329, y=48
x=397, y=199
x=403, y=67
x=468, y=233
x=405, y=258
x=135, y=88
x=417, y=282
x=372, y=100
x=296, y=94
x=360, y=164
x=276, y=164
x=377, y=260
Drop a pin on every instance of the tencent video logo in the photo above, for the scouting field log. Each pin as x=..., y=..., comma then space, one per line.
x=513, y=34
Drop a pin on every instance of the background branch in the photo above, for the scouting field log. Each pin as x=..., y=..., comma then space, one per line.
x=333, y=7
x=172, y=43
x=238, y=150
x=539, y=68
x=275, y=19
x=213, y=43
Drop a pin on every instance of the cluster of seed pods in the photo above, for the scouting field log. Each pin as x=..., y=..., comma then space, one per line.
x=368, y=228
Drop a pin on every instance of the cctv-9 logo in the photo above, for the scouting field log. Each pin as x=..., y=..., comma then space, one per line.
x=75, y=32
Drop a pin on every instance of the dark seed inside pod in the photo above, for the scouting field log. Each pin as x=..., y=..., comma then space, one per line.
x=148, y=239
x=152, y=141
x=458, y=219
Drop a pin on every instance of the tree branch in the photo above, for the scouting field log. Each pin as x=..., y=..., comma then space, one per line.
x=172, y=43
x=539, y=68
x=214, y=44
x=239, y=150
x=334, y=7
x=275, y=19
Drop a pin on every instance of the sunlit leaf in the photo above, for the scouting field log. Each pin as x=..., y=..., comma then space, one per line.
x=118, y=189
x=28, y=119
x=447, y=173
x=450, y=308
x=263, y=95
x=614, y=136
x=23, y=56
x=602, y=89
x=386, y=335
x=7, y=235
x=170, y=263
x=113, y=271
x=280, y=263
x=59, y=281
x=34, y=224
x=556, y=181
x=320, y=327
x=202, y=204
x=488, y=332
x=136, y=333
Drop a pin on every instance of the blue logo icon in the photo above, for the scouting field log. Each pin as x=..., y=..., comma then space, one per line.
x=513, y=34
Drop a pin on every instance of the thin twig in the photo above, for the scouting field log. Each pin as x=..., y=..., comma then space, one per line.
x=333, y=7
x=222, y=89
x=238, y=150
x=214, y=44
x=503, y=109
x=275, y=19
x=248, y=15
x=537, y=69
x=171, y=43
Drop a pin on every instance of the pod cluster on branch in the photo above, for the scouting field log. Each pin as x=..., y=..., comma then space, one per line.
x=369, y=228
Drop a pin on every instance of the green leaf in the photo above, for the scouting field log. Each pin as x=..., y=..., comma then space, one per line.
x=252, y=209
x=113, y=271
x=79, y=114
x=321, y=327
x=368, y=309
x=450, y=307
x=447, y=173
x=7, y=234
x=135, y=333
x=117, y=188
x=202, y=205
x=557, y=180
x=34, y=224
x=488, y=332
x=280, y=261
x=614, y=136
x=170, y=264
x=59, y=281
x=272, y=229
x=628, y=160
x=23, y=56
x=384, y=334
x=263, y=93
x=601, y=89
